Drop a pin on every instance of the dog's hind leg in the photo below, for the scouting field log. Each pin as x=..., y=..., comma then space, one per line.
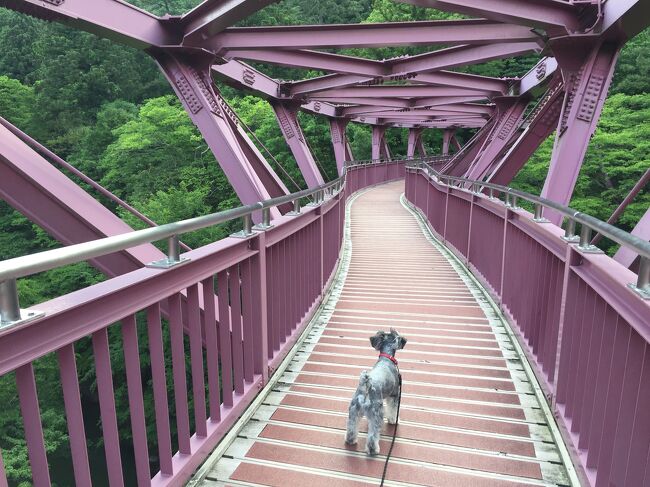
x=391, y=409
x=375, y=414
x=353, y=422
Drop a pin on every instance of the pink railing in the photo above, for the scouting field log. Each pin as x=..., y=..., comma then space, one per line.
x=576, y=312
x=233, y=310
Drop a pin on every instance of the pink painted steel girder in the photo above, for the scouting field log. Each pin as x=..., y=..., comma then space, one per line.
x=444, y=58
x=339, y=141
x=401, y=91
x=248, y=172
x=624, y=255
x=415, y=143
x=460, y=56
x=510, y=117
x=287, y=117
x=213, y=16
x=113, y=19
x=539, y=125
x=380, y=148
x=446, y=138
x=553, y=14
x=340, y=36
x=59, y=206
x=452, y=79
x=588, y=71
x=313, y=60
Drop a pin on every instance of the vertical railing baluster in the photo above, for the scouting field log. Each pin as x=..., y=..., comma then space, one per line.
x=106, y=393
x=136, y=402
x=179, y=375
x=196, y=360
x=247, y=319
x=225, y=349
x=74, y=414
x=236, y=324
x=260, y=307
x=159, y=382
x=28, y=398
x=211, y=348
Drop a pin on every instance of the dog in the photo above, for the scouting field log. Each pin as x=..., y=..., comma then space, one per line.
x=379, y=383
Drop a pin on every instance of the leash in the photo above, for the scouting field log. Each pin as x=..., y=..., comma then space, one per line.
x=392, y=443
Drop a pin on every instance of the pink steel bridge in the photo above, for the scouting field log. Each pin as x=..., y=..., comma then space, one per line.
x=481, y=284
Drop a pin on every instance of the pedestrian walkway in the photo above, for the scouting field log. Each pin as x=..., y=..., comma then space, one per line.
x=469, y=413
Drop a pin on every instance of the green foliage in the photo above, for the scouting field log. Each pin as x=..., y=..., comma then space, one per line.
x=618, y=155
x=632, y=75
x=16, y=101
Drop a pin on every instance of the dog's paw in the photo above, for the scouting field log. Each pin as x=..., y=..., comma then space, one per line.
x=350, y=439
x=372, y=450
x=392, y=421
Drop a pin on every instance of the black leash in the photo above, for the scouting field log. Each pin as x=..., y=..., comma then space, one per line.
x=392, y=443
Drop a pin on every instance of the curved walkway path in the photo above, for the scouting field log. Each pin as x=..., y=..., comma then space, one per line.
x=469, y=415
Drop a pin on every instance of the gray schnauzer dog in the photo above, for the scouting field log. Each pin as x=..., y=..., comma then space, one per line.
x=375, y=385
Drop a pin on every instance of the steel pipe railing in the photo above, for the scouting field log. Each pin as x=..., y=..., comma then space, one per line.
x=613, y=233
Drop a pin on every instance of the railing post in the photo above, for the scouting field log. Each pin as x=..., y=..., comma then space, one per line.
x=10, y=312
x=9, y=305
x=260, y=307
x=296, y=208
x=266, y=220
x=570, y=231
x=538, y=214
x=585, y=241
x=642, y=286
x=173, y=255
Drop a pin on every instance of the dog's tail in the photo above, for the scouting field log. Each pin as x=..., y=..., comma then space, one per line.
x=364, y=388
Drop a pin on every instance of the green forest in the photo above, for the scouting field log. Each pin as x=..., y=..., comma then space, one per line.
x=108, y=110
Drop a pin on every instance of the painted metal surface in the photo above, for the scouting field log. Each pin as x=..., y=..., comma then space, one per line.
x=585, y=332
x=267, y=288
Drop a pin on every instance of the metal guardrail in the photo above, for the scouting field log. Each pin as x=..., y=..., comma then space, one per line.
x=431, y=159
x=12, y=269
x=589, y=223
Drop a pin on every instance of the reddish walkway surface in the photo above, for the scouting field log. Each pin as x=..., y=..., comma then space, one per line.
x=469, y=415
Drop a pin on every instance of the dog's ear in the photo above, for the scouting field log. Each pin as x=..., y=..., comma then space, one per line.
x=377, y=340
x=402, y=342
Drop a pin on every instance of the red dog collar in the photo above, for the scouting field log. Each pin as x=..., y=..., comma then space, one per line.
x=389, y=357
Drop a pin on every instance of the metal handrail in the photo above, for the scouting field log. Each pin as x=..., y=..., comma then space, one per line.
x=615, y=234
x=23, y=266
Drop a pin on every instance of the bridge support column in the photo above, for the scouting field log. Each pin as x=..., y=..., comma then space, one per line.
x=288, y=121
x=447, y=135
x=248, y=172
x=455, y=142
x=464, y=158
x=510, y=113
x=339, y=142
x=415, y=143
x=587, y=71
x=541, y=124
x=380, y=148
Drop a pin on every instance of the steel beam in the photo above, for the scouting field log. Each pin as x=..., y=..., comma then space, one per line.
x=538, y=126
x=112, y=19
x=456, y=144
x=288, y=121
x=460, y=162
x=243, y=76
x=341, y=36
x=401, y=91
x=339, y=141
x=548, y=14
x=446, y=138
x=625, y=256
x=587, y=71
x=54, y=202
x=313, y=60
x=415, y=143
x=250, y=175
x=380, y=148
x=213, y=16
x=482, y=84
x=460, y=56
x=511, y=112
